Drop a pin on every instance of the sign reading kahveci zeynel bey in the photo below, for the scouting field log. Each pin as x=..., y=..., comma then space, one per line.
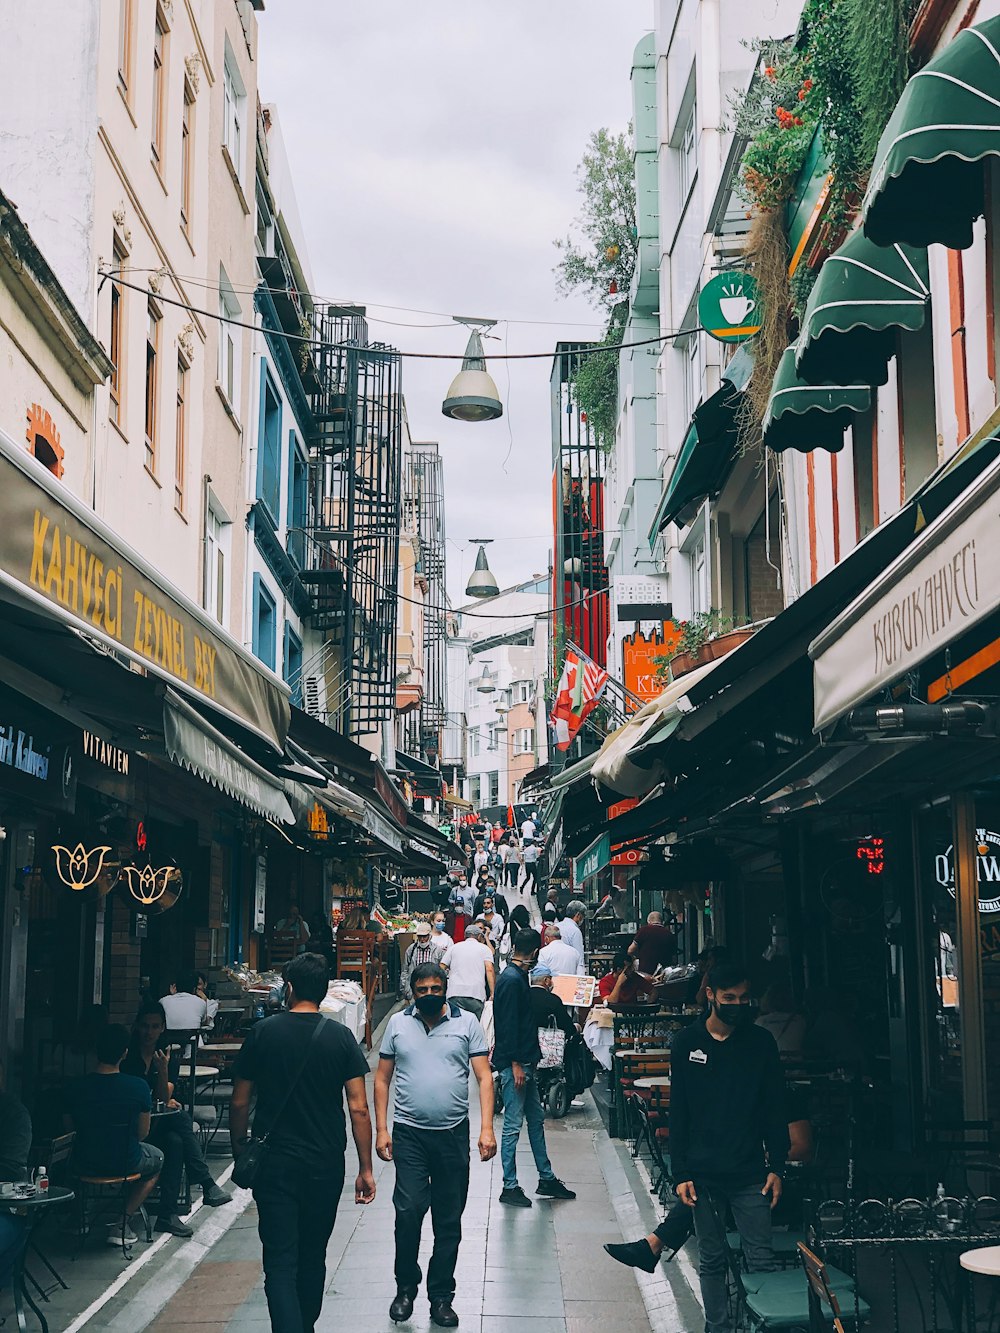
x=57, y=552
x=936, y=591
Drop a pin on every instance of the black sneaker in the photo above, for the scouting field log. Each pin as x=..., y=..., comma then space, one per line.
x=636, y=1254
x=174, y=1226
x=554, y=1189
x=214, y=1196
x=515, y=1196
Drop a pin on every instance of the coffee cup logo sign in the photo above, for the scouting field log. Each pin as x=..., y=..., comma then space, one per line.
x=729, y=307
x=987, y=870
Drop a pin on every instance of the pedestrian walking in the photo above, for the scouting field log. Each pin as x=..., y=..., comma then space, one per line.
x=570, y=927
x=471, y=974
x=422, y=950
x=300, y=1064
x=430, y=1048
x=529, y=859
x=729, y=1139
x=512, y=862
x=516, y=1054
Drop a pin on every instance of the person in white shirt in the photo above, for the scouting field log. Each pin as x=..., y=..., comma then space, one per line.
x=471, y=975
x=576, y=914
x=528, y=828
x=439, y=936
x=557, y=955
x=185, y=1008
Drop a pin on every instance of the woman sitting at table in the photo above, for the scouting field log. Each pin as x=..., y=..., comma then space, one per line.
x=173, y=1134
x=624, y=985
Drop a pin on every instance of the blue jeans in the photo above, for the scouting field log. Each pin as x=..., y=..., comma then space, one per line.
x=518, y=1107
x=752, y=1214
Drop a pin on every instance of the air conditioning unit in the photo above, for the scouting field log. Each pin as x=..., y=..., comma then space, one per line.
x=314, y=696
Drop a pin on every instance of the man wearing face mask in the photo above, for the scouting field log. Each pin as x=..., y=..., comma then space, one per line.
x=728, y=1138
x=430, y=1048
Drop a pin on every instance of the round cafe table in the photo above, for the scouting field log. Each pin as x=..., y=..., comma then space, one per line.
x=31, y=1209
x=985, y=1261
x=652, y=1083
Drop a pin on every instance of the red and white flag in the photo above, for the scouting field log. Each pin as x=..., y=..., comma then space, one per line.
x=580, y=688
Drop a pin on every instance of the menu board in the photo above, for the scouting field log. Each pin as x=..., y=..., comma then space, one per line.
x=575, y=991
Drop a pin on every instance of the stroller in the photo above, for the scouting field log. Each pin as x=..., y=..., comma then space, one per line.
x=565, y=1070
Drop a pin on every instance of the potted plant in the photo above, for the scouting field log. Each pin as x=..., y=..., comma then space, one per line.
x=706, y=637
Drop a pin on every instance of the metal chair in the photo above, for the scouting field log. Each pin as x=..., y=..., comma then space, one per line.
x=91, y=1185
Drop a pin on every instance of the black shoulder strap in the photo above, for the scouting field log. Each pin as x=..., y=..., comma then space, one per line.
x=298, y=1074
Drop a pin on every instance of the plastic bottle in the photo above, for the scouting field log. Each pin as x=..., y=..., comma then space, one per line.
x=42, y=1180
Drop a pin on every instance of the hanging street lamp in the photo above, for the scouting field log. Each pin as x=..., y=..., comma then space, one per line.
x=482, y=582
x=473, y=394
x=485, y=684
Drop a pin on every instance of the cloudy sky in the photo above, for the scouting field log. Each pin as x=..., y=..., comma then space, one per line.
x=434, y=147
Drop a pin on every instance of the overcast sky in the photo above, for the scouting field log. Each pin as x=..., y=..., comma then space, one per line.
x=433, y=147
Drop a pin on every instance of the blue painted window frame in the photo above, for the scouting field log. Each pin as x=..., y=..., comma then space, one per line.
x=269, y=466
x=263, y=601
x=292, y=664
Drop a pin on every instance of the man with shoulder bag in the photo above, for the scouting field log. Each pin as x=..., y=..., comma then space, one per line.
x=300, y=1064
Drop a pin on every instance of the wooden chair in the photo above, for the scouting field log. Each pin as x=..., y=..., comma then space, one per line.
x=90, y=1186
x=358, y=961
x=284, y=947
x=820, y=1291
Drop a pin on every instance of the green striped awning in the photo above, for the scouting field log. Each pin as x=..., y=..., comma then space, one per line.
x=709, y=448
x=927, y=182
x=810, y=416
x=863, y=294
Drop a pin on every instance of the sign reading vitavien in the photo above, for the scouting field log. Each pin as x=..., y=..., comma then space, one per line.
x=936, y=591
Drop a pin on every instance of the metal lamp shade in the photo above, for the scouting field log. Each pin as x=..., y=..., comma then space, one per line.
x=482, y=583
x=573, y=567
x=473, y=395
x=486, y=684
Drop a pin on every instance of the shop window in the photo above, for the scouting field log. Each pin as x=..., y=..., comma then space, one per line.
x=153, y=321
x=43, y=440
x=265, y=621
x=187, y=154
x=292, y=665
x=269, y=446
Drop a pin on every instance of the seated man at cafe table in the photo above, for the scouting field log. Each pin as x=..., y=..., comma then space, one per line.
x=110, y=1114
x=295, y=924
x=173, y=1134
x=186, y=1006
x=624, y=985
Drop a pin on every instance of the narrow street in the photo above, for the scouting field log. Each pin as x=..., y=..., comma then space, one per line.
x=542, y=1271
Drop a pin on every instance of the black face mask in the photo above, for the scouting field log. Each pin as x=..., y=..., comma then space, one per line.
x=733, y=1015
x=429, y=1005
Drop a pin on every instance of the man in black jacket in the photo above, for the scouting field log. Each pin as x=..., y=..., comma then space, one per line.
x=515, y=1055
x=728, y=1138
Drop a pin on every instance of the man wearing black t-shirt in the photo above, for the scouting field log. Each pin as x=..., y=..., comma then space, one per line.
x=298, y=1186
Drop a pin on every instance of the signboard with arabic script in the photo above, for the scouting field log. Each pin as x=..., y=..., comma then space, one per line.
x=937, y=590
x=55, y=553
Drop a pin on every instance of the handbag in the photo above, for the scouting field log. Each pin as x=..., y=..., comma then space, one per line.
x=248, y=1163
x=552, y=1043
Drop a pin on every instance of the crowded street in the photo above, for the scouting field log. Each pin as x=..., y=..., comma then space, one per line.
x=500, y=666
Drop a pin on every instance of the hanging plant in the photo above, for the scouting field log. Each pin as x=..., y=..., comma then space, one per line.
x=767, y=256
x=595, y=387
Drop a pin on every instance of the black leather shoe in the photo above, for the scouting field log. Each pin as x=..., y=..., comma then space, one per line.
x=215, y=1197
x=174, y=1226
x=443, y=1315
x=636, y=1254
x=401, y=1307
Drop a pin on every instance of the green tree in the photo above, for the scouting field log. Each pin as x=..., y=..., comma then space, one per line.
x=602, y=245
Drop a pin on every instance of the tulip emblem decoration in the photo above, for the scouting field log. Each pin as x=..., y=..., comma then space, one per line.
x=79, y=868
x=146, y=885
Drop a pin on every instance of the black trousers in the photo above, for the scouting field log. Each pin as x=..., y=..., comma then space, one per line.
x=296, y=1210
x=177, y=1139
x=432, y=1171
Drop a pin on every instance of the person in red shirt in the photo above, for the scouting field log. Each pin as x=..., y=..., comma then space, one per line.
x=654, y=946
x=623, y=985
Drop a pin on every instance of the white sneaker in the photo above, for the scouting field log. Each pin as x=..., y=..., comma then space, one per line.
x=115, y=1234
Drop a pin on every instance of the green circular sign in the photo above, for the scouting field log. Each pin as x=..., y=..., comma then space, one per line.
x=729, y=307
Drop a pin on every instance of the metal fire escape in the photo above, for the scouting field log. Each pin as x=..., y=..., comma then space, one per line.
x=353, y=517
x=423, y=498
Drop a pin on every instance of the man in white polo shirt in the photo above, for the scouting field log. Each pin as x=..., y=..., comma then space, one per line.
x=558, y=956
x=569, y=927
x=430, y=1048
x=471, y=974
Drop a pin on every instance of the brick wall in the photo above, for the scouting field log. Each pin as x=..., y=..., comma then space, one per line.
x=764, y=595
x=124, y=964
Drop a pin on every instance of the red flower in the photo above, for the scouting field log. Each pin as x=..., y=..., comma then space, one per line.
x=769, y=71
x=807, y=85
x=802, y=95
x=797, y=120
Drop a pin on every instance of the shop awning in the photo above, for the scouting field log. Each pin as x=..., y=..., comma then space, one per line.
x=927, y=182
x=427, y=780
x=942, y=585
x=864, y=294
x=806, y=416
x=709, y=448
x=58, y=557
x=194, y=744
